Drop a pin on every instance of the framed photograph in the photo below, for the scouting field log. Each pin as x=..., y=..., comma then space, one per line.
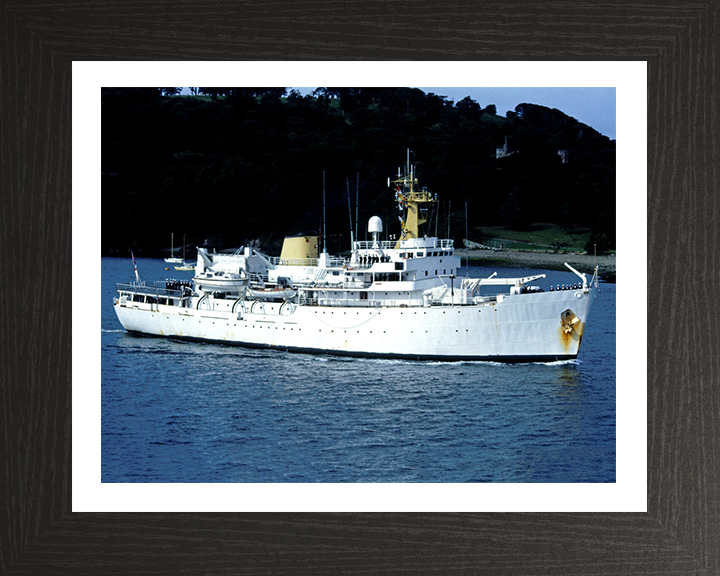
x=575, y=465
x=655, y=514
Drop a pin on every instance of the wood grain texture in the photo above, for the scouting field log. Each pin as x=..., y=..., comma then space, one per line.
x=681, y=531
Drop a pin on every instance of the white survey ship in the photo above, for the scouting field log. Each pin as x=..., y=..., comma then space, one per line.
x=395, y=299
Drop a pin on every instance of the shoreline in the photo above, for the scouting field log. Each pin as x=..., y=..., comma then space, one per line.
x=545, y=260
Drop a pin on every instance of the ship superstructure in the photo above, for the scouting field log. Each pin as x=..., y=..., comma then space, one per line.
x=389, y=298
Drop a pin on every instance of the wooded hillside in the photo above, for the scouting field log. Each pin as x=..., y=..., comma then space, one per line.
x=241, y=165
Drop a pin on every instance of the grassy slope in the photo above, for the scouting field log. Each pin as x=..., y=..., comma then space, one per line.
x=539, y=237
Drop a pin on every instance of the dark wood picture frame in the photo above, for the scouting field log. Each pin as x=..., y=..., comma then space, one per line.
x=681, y=530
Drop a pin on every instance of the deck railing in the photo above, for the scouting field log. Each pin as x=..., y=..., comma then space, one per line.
x=276, y=261
x=292, y=261
x=150, y=289
x=431, y=243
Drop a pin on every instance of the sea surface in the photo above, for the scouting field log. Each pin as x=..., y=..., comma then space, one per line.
x=175, y=411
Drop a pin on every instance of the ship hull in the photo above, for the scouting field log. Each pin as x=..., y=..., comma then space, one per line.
x=520, y=328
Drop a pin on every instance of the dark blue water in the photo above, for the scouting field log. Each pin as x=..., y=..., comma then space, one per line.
x=190, y=412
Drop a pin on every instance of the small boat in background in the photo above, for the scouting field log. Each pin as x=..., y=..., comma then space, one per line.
x=184, y=266
x=173, y=259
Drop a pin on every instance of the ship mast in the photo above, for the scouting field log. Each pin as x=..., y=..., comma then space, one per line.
x=409, y=201
x=352, y=237
x=324, y=236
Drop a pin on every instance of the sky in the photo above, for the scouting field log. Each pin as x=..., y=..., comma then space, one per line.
x=592, y=106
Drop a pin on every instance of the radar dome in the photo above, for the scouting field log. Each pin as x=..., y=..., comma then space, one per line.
x=375, y=225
